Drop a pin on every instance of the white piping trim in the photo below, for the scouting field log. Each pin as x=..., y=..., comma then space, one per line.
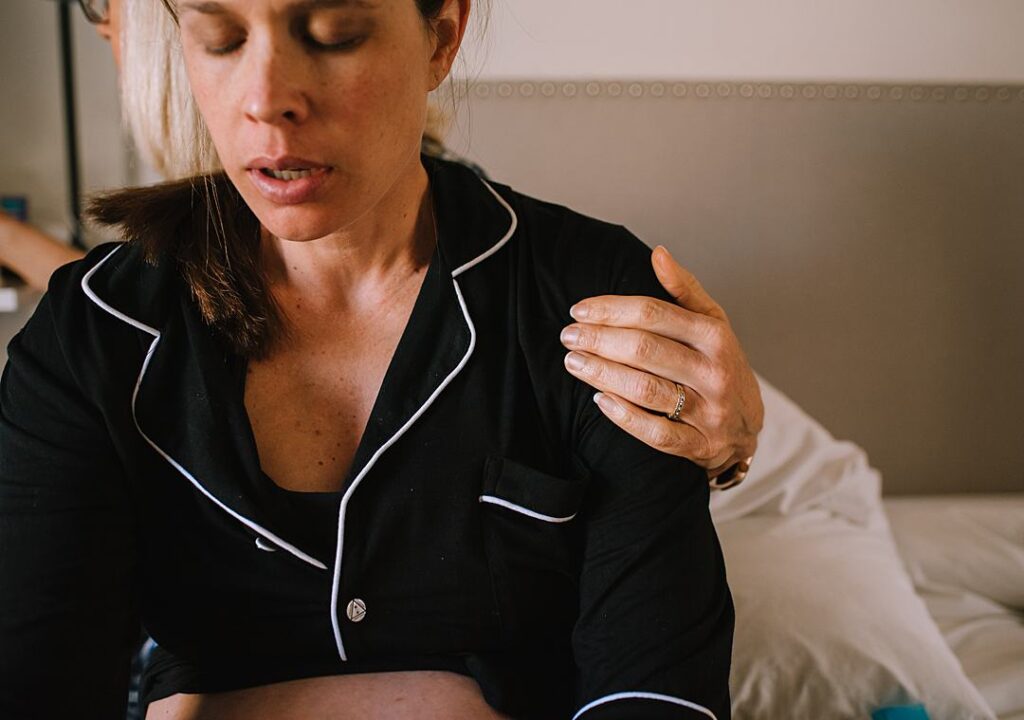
x=372, y=461
x=645, y=696
x=175, y=464
x=339, y=553
x=524, y=511
x=262, y=545
x=498, y=245
x=116, y=313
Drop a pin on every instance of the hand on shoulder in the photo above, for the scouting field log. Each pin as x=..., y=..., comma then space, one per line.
x=647, y=357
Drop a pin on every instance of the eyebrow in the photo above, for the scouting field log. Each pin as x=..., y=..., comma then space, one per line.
x=210, y=7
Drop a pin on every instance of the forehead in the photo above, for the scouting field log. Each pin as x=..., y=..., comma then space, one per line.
x=218, y=7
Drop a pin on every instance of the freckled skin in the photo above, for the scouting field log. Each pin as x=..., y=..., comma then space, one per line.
x=362, y=112
x=345, y=268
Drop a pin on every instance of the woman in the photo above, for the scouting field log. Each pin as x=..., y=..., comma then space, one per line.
x=633, y=349
x=227, y=406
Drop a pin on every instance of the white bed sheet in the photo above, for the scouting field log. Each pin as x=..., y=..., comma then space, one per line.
x=965, y=555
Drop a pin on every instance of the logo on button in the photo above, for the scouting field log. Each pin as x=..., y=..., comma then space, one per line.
x=356, y=610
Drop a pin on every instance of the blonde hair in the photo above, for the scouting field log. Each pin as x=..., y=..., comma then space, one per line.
x=157, y=104
x=197, y=219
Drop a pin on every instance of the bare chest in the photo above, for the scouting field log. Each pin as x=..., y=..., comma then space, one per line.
x=309, y=403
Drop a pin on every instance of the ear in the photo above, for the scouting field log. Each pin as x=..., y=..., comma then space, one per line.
x=448, y=30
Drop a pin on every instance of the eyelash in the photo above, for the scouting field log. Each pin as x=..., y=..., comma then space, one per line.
x=314, y=44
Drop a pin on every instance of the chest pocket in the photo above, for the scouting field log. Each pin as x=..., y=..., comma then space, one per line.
x=531, y=523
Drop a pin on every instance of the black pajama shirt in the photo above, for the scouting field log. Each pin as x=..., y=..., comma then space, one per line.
x=494, y=523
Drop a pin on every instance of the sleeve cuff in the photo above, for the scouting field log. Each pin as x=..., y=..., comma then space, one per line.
x=670, y=706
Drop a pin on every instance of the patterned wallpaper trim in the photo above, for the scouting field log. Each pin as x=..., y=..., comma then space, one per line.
x=716, y=90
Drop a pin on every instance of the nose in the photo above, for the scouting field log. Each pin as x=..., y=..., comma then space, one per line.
x=274, y=82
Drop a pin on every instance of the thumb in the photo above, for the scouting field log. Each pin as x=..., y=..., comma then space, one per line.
x=682, y=285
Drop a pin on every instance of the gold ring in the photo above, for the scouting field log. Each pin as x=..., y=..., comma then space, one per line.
x=680, y=402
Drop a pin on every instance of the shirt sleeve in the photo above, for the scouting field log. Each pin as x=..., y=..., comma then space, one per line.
x=653, y=637
x=68, y=616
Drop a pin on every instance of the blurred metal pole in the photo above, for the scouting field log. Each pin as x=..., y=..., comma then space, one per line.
x=70, y=122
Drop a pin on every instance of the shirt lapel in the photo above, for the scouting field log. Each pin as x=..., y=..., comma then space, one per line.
x=186, y=405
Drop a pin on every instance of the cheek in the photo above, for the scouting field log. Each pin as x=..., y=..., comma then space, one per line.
x=389, y=95
x=212, y=100
x=382, y=108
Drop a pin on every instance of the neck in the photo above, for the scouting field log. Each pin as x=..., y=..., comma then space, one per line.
x=362, y=264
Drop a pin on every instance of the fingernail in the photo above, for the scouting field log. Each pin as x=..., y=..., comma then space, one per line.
x=579, y=311
x=608, y=405
x=570, y=335
x=574, y=361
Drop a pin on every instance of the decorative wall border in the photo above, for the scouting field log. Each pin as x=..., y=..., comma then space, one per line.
x=718, y=90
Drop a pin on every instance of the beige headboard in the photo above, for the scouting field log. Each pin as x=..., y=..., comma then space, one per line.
x=867, y=240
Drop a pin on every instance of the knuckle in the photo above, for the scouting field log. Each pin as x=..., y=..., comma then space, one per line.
x=717, y=382
x=629, y=420
x=662, y=437
x=586, y=340
x=717, y=417
x=648, y=390
x=650, y=313
x=645, y=347
x=716, y=337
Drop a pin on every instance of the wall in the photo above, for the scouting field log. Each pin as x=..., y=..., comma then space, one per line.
x=865, y=240
x=939, y=40
x=31, y=111
x=872, y=40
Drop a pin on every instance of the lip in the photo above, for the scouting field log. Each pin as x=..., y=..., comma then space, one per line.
x=287, y=192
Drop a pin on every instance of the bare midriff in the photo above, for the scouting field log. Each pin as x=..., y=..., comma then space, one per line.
x=396, y=696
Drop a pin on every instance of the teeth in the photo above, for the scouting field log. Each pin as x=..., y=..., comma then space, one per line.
x=288, y=174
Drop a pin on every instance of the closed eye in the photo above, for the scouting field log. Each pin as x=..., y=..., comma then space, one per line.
x=346, y=44
x=225, y=49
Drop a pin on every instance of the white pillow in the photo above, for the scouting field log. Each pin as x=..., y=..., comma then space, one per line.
x=965, y=555
x=966, y=542
x=827, y=621
x=828, y=624
x=799, y=465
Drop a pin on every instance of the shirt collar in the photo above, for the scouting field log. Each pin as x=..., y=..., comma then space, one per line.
x=183, y=405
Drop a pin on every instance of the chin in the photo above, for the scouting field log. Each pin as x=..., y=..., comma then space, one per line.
x=299, y=224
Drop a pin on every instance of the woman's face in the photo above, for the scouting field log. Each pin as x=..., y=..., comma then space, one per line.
x=316, y=107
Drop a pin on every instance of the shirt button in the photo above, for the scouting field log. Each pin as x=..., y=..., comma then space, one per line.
x=356, y=610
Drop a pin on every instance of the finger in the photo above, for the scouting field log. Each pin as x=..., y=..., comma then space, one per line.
x=674, y=438
x=683, y=285
x=641, y=350
x=650, y=314
x=640, y=388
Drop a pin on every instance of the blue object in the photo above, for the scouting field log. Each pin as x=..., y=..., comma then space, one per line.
x=900, y=712
x=16, y=206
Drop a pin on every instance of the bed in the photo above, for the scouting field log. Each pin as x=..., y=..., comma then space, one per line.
x=848, y=213
x=848, y=603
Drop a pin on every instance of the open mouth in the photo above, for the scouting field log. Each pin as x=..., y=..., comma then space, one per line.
x=294, y=174
x=289, y=182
